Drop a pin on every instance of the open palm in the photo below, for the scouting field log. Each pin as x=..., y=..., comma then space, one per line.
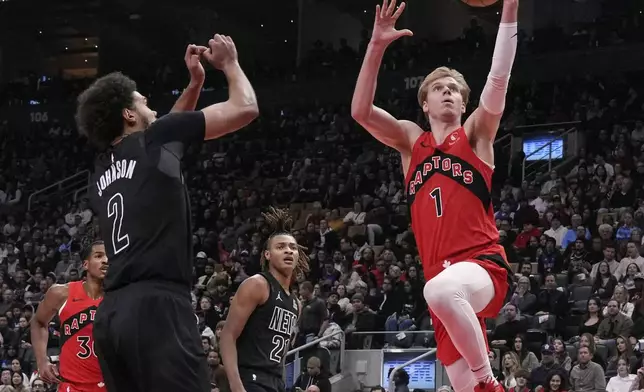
x=384, y=28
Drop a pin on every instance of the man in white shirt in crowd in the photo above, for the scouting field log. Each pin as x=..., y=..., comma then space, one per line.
x=632, y=256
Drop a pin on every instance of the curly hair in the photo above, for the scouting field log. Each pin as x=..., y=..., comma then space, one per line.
x=280, y=222
x=99, y=108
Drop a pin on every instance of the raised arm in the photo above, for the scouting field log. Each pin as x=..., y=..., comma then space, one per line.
x=251, y=293
x=241, y=107
x=483, y=124
x=380, y=124
x=54, y=299
x=188, y=99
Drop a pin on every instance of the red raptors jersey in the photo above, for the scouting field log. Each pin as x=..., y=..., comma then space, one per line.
x=78, y=362
x=448, y=190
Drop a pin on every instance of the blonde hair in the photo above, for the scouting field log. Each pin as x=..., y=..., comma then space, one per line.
x=515, y=359
x=444, y=72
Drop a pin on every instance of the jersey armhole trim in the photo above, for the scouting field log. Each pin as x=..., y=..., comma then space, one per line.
x=60, y=311
x=270, y=290
x=413, y=148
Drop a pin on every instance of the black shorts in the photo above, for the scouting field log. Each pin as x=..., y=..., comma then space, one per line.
x=147, y=339
x=258, y=381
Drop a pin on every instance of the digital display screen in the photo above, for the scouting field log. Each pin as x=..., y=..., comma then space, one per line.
x=535, y=151
x=422, y=374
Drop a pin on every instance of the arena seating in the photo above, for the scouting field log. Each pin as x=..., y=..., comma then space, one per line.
x=346, y=193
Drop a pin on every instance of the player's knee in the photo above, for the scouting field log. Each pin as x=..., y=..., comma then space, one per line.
x=441, y=293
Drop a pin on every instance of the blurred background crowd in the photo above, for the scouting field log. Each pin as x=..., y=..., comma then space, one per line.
x=571, y=226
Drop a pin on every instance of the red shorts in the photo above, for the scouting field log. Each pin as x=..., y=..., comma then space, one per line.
x=446, y=351
x=76, y=387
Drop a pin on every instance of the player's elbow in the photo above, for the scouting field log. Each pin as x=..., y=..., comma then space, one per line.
x=359, y=113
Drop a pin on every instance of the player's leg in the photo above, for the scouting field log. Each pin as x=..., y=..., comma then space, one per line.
x=166, y=350
x=116, y=375
x=460, y=376
x=455, y=296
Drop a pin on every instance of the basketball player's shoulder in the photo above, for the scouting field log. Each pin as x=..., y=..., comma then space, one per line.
x=255, y=288
x=58, y=291
x=412, y=130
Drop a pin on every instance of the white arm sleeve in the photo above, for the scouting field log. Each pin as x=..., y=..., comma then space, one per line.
x=493, y=95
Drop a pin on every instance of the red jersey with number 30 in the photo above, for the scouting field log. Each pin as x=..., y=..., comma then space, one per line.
x=78, y=361
x=448, y=190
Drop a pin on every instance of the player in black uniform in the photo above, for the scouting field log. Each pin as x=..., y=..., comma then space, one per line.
x=263, y=315
x=145, y=331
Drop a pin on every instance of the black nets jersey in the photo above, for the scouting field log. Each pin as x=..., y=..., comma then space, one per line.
x=266, y=337
x=143, y=205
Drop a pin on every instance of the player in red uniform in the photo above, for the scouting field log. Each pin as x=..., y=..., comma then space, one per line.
x=76, y=304
x=448, y=174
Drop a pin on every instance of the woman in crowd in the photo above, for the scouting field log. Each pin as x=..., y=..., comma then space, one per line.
x=510, y=366
x=554, y=383
x=592, y=318
x=561, y=355
x=623, y=381
x=624, y=351
x=605, y=282
x=528, y=360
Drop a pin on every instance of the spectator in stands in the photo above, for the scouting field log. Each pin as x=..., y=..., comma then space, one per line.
x=401, y=381
x=552, y=304
x=632, y=256
x=505, y=332
x=38, y=385
x=550, y=260
x=604, y=281
x=522, y=378
x=556, y=231
x=621, y=296
x=509, y=368
x=588, y=340
x=522, y=298
x=363, y=320
x=622, y=381
x=528, y=359
x=314, y=318
x=529, y=230
x=586, y=375
x=561, y=354
x=624, y=350
x=313, y=376
x=539, y=375
x=555, y=382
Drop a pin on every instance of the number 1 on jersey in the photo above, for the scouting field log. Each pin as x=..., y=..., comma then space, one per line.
x=115, y=211
x=438, y=201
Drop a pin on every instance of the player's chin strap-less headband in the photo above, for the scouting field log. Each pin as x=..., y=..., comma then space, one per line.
x=496, y=87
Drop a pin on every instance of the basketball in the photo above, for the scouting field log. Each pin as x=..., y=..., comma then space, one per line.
x=479, y=3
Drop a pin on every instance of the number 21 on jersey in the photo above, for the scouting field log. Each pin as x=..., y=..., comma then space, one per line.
x=438, y=201
x=120, y=240
x=280, y=348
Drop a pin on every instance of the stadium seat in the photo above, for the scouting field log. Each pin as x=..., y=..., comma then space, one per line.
x=581, y=293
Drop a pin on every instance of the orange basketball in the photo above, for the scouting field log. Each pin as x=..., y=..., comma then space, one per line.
x=479, y=3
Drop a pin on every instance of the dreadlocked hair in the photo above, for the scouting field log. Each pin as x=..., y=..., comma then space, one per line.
x=280, y=222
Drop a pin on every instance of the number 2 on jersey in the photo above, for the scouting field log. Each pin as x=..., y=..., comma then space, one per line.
x=438, y=201
x=281, y=345
x=115, y=212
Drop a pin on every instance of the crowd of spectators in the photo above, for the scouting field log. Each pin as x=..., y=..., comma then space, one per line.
x=574, y=320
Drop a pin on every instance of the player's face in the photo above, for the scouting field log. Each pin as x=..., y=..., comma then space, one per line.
x=96, y=263
x=283, y=252
x=444, y=100
x=143, y=115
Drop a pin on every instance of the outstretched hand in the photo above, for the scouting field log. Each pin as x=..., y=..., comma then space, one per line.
x=384, y=27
